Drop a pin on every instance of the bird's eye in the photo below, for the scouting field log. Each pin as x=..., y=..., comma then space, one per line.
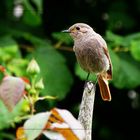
x=77, y=28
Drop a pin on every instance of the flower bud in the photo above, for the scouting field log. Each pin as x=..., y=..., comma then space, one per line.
x=39, y=85
x=33, y=67
x=27, y=87
x=33, y=91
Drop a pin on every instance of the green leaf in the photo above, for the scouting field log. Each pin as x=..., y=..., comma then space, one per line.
x=39, y=5
x=116, y=40
x=11, y=57
x=8, y=118
x=56, y=76
x=30, y=16
x=8, y=49
x=130, y=38
x=134, y=36
x=115, y=64
x=18, y=66
x=127, y=75
x=135, y=50
x=7, y=136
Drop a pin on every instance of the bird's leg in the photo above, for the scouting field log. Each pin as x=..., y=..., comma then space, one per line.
x=96, y=80
x=94, y=83
x=86, y=80
x=87, y=76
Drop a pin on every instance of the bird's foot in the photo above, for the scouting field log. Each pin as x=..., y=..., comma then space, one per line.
x=89, y=85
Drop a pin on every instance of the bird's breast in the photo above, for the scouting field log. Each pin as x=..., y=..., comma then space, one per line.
x=91, y=57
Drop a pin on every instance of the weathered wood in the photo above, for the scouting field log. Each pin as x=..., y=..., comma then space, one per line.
x=86, y=109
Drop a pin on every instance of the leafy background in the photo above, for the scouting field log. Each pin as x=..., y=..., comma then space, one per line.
x=36, y=34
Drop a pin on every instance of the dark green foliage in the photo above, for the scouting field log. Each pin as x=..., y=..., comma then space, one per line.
x=125, y=60
x=7, y=118
x=37, y=34
x=57, y=77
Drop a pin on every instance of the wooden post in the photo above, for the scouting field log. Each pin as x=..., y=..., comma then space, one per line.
x=86, y=109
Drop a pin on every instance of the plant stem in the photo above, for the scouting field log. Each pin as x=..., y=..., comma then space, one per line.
x=86, y=109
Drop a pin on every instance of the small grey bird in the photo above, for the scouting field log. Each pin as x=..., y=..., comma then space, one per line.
x=92, y=55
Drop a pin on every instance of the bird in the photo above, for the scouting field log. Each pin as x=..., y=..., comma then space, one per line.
x=92, y=55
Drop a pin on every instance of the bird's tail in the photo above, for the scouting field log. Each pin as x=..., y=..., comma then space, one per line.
x=104, y=88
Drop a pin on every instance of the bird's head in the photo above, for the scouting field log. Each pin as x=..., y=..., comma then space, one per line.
x=79, y=30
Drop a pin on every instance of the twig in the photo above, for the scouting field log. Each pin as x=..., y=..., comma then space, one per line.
x=86, y=109
x=65, y=49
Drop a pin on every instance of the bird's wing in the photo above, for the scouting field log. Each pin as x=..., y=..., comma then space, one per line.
x=109, y=72
x=103, y=44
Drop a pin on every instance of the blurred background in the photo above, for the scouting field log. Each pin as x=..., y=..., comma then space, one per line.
x=32, y=29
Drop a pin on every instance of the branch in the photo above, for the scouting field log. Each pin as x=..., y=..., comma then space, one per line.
x=86, y=109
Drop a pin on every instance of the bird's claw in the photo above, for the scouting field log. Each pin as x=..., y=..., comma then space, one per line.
x=89, y=85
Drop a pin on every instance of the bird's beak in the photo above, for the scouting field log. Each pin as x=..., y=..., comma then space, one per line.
x=65, y=31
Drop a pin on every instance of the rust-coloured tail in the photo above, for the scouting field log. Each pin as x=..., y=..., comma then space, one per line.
x=104, y=88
